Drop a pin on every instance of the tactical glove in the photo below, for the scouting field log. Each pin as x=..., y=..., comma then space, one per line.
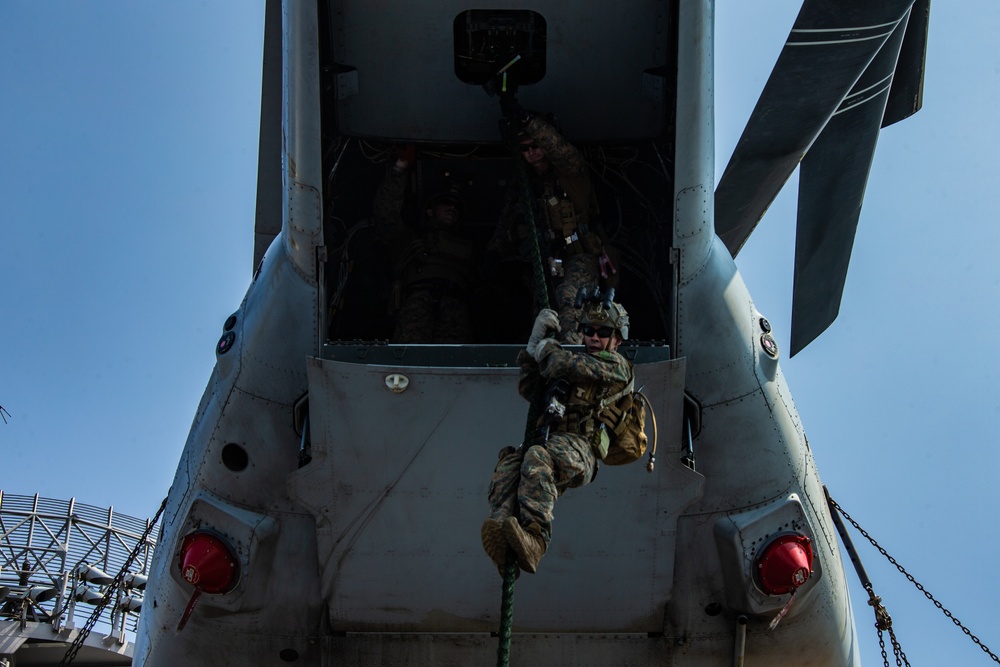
x=543, y=345
x=546, y=323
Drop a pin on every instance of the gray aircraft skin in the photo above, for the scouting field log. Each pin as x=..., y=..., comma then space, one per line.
x=348, y=476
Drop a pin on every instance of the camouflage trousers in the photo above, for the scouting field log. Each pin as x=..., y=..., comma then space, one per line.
x=527, y=481
x=578, y=271
x=433, y=316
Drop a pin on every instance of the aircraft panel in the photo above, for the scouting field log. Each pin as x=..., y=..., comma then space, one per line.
x=391, y=488
x=395, y=70
x=577, y=649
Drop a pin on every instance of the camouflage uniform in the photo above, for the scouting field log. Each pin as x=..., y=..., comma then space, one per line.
x=529, y=479
x=433, y=270
x=568, y=207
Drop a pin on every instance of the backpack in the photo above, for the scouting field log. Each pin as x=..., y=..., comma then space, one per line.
x=621, y=418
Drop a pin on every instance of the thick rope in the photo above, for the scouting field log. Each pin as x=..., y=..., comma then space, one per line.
x=541, y=289
x=541, y=286
x=507, y=610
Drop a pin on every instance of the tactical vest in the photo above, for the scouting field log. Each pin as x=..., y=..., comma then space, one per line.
x=582, y=402
x=568, y=203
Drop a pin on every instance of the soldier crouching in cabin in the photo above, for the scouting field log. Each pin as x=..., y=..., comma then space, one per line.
x=527, y=480
x=433, y=263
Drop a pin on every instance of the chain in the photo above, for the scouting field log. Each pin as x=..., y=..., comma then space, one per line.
x=881, y=644
x=96, y=614
x=897, y=650
x=900, y=656
x=883, y=622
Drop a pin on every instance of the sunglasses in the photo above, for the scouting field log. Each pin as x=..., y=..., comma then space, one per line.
x=527, y=147
x=600, y=332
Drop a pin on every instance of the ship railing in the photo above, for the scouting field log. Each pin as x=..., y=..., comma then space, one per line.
x=59, y=558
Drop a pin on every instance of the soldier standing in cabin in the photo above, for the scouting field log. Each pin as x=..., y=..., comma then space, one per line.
x=433, y=264
x=572, y=248
x=528, y=479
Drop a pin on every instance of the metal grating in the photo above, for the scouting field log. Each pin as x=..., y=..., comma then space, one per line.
x=44, y=543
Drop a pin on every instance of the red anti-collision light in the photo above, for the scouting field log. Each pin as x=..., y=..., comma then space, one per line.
x=784, y=564
x=208, y=563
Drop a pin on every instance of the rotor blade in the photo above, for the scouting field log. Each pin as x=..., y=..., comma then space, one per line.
x=832, y=182
x=267, y=224
x=907, y=93
x=829, y=47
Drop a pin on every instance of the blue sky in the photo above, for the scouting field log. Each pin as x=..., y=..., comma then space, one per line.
x=128, y=138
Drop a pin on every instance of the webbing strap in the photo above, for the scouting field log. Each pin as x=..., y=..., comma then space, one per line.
x=614, y=397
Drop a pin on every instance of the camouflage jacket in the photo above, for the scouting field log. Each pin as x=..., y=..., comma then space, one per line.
x=387, y=212
x=565, y=200
x=429, y=256
x=591, y=378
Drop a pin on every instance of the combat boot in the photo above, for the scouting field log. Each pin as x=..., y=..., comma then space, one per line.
x=528, y=544
x=495, y=544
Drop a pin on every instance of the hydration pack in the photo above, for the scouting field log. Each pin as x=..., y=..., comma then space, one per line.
x=620, y=436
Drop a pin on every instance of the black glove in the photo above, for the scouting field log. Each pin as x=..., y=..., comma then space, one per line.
x=513, y=111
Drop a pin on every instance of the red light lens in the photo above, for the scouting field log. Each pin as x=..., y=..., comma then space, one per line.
x=784, y=564
x=208, y=563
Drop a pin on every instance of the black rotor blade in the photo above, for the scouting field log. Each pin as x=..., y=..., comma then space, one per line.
x=832, y=181
x=829, y=47
x=907, y=93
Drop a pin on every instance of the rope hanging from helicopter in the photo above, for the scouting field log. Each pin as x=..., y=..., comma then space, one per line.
x=883, y=622
x=534, y=411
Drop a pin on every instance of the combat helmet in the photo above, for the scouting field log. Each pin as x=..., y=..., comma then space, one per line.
x=606, y=313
